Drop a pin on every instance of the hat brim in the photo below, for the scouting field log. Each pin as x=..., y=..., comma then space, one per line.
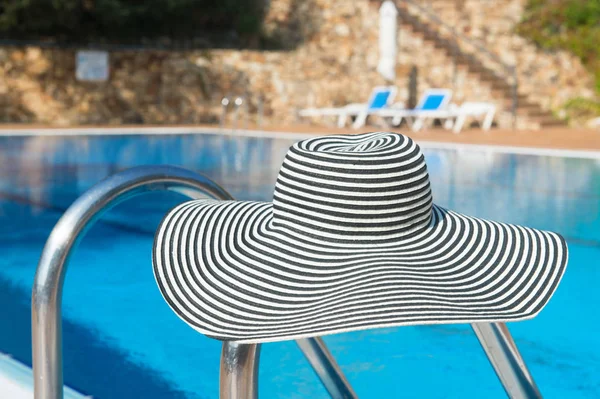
x=230, y=274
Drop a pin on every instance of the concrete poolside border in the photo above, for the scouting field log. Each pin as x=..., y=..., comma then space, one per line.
x=16, y=381
x=537, y=151
x=425, y=139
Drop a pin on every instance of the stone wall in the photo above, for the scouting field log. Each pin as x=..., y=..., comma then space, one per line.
x=550, y=78
x=329, y=58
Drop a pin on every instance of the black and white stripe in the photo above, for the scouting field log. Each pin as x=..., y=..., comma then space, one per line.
x=365, y=188
x=351, y=241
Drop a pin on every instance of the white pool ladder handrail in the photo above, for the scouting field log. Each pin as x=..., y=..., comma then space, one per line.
x=240, y=102
x=239, y=362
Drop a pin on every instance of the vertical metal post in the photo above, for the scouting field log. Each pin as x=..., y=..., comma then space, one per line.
x=239, y=101
x=239, y=371
x=46, y=297
x=224, y=105
x=327, y=369
x=502, y=352
x=239, y=365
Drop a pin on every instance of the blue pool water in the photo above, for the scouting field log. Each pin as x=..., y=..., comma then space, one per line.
x=122, y=341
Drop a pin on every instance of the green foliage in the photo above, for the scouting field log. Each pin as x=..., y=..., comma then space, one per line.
x=572, y=25
x=583, y=108
x=123, y=20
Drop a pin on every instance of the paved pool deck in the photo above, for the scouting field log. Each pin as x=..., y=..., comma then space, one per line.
x=16, y=381
x=564, y=138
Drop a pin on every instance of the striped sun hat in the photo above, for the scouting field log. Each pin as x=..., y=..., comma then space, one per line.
x=352, y=240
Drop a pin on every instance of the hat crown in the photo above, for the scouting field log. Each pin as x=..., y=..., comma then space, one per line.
x=369, y=186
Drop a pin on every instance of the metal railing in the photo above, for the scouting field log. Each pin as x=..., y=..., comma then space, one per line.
x=470, y=46
x=239, y=362
x=240, y=103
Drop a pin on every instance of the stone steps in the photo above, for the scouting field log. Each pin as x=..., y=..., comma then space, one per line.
x=499, y=86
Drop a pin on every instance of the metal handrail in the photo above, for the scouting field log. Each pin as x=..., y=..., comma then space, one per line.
x=46, y=299
x=224, y=104
x=239, y=362
x=501, y=350
x=325, y=366
x=239, y=371
x=509, y=71
x=239, y=102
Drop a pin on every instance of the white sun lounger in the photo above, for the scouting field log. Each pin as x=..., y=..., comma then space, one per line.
x=381, y=97
x=475, y=110
x=432, y=105
x=435, y=104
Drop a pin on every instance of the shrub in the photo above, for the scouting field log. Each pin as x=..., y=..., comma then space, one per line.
x=572, y=25
x=121, y=21
x=582, y=108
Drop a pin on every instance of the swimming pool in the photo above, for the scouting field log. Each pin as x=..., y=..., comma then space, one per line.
x=122, y=341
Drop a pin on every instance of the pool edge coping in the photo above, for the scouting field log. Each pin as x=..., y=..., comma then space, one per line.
x=19, y=378
x=431, y=144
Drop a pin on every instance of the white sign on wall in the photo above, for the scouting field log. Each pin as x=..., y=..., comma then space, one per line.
x=388, y=30
x=92, y=66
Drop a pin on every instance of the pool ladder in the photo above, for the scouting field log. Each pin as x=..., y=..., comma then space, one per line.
x=239, y=362
x=238, y=103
